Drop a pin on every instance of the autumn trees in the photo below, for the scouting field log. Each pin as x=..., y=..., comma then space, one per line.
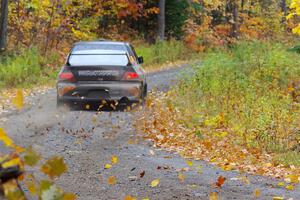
x=55, y=23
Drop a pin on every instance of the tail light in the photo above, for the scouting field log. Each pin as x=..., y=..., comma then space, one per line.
x=130, y=76
x=66, y=75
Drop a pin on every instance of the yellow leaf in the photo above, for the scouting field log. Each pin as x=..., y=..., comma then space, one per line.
x=18, y=101
x=213, y=196
x=146, y=198
x=114, y=160
x=289, y=187
x=54, y=167
x=11, y=190
x=107, y=166
x=155, y=183
x=128, y=197
x=111, y=180
x=281, y=184
x=5, y=139
x=257, y=193
x=292, y=178
x=278, y=198
x=181, y=177
x=189, y=163
x=31, y=158
x=69, y=196
x=12, y=163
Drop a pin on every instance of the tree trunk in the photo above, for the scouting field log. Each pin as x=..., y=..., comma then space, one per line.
x=283, y=9
x=3, y=25
x=235, y=15
x=162, y=19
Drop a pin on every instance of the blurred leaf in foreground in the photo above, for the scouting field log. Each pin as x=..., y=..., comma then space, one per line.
x=54, y=167
x=5, y=139
x=31, y=157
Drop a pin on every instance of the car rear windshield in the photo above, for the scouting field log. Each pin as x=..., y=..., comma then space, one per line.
x=87, y=47
x=98, y=60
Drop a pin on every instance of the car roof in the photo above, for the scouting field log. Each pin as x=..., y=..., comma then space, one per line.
x=101, y=42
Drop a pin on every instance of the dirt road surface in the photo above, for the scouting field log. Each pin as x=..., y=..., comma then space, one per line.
x=87, y=141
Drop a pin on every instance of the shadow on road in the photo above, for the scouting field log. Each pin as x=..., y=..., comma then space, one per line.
x=99, y=107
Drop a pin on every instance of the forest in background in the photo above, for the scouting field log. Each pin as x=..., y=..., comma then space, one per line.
x=37, y=34
x=55, y=24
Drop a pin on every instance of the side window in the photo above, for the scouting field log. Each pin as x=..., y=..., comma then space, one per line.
x=134, y=52
x=132, y=55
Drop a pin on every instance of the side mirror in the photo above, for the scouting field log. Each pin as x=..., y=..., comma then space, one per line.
x=141, y=60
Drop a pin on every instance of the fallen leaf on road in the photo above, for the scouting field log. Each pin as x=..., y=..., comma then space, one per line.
x=155, y=183
x=278, y=198
x=163, y=167
x=128, y=197
x=213, y=196
x=142, y=174
x=292, y=178
x=114, y=159
x=281, y=184
x=257, y=193
x=69, y=196
x=107, y=166
x=181, y=177
x=289, y=187
x=18, y=101
x=221, y=180
x=111, y=180
x=189, y=163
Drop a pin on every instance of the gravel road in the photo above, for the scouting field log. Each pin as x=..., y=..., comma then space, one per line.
x=88, y=144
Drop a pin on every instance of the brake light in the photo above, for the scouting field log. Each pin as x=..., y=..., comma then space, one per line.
x=131, y=76
x=66, y=75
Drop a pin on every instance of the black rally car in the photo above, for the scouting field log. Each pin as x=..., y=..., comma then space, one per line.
x=102, y=70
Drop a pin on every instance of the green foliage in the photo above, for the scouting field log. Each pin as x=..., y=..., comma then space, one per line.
x=28, y=67
x=163, y=52
x=19, y=68
x=249, y=85
x=176, y=15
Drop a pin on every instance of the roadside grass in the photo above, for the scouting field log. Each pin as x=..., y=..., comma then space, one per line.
x=161, y=54
x=237, y=111
x=27, y=68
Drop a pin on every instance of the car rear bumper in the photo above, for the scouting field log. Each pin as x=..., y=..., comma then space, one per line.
x=95, y=92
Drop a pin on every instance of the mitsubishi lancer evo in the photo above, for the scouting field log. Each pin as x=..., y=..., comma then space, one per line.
x=102, y=71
